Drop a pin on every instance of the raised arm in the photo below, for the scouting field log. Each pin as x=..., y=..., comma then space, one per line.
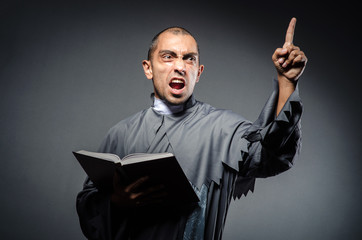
x=289, y=62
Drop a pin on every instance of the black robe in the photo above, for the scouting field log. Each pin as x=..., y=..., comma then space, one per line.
x=220, y=152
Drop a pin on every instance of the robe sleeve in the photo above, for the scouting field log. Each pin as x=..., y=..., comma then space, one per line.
x=95, y=211
x=270, y=144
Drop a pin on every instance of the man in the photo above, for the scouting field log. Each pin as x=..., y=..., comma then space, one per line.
x=220, y=152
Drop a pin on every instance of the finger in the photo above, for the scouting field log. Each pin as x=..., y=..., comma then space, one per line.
x=281, y=52
x=135, y=185
x=291, y=48
x=279, y=55
x=135, y=196
x=296, y=61
x=293, y=57
x=290, y=32
x=300, y=59
x=290, y=58
x=289, y=51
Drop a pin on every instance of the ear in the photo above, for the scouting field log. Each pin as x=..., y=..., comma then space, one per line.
x=201, y=69
x=147, y=68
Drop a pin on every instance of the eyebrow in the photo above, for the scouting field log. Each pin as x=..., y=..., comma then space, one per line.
x=172, y=53
x=192, y=54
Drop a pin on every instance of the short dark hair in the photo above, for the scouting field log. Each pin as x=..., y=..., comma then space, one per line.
x=175, y=30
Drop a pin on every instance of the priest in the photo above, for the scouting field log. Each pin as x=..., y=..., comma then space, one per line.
x=220, y=152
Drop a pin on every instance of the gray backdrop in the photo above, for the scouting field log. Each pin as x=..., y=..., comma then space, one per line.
x=71, y=70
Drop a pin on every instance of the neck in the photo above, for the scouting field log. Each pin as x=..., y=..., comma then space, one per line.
x=166, y=108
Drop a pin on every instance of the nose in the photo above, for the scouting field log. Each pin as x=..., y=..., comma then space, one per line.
x=180, y=67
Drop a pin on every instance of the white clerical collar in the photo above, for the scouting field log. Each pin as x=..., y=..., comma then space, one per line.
x=166, y=109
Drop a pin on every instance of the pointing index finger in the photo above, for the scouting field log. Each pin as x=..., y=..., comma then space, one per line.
x=290, y=32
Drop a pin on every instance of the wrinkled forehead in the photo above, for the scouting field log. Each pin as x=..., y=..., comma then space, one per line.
x=179, y=43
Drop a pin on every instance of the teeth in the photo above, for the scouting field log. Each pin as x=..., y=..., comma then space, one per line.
x=177, y=81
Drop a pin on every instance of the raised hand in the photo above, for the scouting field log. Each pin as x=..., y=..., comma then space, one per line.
x=289, y=61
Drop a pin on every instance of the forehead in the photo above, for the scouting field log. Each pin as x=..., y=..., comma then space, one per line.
x=180, y=43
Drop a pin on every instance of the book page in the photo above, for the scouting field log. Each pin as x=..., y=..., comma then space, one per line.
x=141, y=157
x=105, y=156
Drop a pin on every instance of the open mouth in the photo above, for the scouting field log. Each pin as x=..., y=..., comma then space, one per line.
x=177, y=84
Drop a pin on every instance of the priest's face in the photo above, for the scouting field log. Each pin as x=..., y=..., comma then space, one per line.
x=174, y=67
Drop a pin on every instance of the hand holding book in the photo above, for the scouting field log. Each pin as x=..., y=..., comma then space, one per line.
x=138, y=179
x=137, y=194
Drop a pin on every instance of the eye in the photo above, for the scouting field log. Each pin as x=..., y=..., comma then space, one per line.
x=190, y=58
x=167, y=56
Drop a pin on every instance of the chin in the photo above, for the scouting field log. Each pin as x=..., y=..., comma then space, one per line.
x=179, y=102
x=176, y=101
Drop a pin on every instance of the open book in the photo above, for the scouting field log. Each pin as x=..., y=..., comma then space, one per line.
x=161, y=168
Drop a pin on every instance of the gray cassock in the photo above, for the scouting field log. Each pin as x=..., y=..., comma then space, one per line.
x=221, y=154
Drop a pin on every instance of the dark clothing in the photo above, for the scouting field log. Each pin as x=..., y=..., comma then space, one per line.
x=220, y=152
